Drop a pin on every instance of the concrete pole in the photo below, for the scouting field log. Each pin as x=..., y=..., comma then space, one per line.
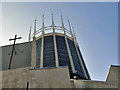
x=33, y=61
x=42, y=45
x=55, y=45
x=75, y=41
x=68, y=48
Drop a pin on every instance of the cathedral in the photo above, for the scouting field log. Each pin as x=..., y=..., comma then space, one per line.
x=50, y=59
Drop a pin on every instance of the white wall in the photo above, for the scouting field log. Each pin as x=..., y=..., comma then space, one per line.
x=40, y=78
x=22, y=58
x=50, y=78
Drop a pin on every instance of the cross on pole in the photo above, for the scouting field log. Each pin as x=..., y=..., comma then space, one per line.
x=13, y=49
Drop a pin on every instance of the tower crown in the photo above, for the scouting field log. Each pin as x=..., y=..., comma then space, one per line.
x=59, y=29
x=57, y=46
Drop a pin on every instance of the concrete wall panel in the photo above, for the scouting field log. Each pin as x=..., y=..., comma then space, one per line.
x=50, y=78
x=94, y=84
x=15, y=78
x=21, y=56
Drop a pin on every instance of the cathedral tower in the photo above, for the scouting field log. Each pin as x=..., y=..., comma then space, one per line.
x=57, y=46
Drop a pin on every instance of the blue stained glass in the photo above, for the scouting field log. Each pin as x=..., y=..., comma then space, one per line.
x=75, y=58
x=63, y=57
x=49, y=54
x=62, y=52
x=38, y=52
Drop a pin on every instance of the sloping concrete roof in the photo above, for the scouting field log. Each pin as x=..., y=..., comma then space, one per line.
x=113, y=74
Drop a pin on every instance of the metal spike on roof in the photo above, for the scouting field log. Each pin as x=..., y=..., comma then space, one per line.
x=70, y=28
x=35, y=27
x=29, y=34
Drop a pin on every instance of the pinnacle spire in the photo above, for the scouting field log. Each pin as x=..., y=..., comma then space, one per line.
x=52, y=20
x=70, y=28
x=62, y=24
x=43, y=20
x=43, y=24
x=29, y=34
x=62, y=21
x=35, y=27
x=74, y=34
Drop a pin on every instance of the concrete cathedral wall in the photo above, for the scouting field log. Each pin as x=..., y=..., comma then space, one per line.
x=94, y=84
x=48, y=78
x=20, y=73
x=111, y=81
x=21, y=56
x=15, y=78
x=40, y=78
x=113, y=74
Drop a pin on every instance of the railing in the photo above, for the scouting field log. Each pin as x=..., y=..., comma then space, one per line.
x=49, y=29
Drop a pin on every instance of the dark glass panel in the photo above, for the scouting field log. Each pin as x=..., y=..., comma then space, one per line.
x=49, y=54
x=38, y=52
x=62, y=52
x=83, y=63
x=75, y=58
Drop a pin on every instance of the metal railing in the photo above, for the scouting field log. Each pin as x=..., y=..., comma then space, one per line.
x=49, y=29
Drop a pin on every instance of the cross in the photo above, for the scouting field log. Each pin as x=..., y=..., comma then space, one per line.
x=13, y=48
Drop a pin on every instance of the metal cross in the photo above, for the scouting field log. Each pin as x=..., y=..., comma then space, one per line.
x=13, y=49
